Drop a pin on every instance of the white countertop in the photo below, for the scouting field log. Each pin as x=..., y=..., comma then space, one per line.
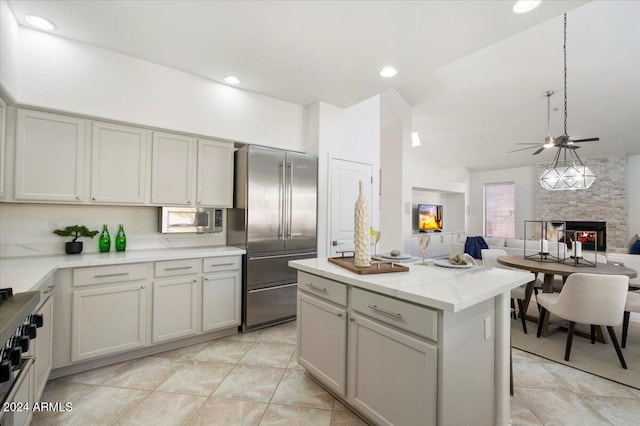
x=447, y=289
x=28, y=273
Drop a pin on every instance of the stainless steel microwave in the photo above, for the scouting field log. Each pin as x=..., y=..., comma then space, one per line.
x=189, y=220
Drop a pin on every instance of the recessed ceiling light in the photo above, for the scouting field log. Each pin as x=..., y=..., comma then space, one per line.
x=524, y=6
x=231, y=80
x=388, y=72
x=40, y=22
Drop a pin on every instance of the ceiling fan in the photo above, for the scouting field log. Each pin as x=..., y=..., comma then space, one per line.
x=564, y=140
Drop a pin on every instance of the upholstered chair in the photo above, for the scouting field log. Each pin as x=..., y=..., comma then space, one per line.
x=632, y=305
x=592, y=299
x=490, y=258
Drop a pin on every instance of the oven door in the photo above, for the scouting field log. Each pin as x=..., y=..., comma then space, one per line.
x=17, y=403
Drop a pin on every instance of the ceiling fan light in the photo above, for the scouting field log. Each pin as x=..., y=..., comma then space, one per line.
x=549, y=144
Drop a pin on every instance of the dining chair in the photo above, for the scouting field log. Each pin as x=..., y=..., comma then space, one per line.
x=632, y=305
x=519, y=294
x=594, y=299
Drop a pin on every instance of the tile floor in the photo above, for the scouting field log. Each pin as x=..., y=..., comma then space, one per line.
x=253, y=378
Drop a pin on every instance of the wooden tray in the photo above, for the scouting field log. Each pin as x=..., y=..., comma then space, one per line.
x=347, y=263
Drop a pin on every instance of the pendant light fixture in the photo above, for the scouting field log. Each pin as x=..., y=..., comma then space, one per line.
x=566, y=172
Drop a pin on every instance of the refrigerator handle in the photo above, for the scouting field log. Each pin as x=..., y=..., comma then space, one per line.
x=281, y=202
x=290, y=212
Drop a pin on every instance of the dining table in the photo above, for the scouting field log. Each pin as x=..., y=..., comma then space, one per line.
x=550, y=269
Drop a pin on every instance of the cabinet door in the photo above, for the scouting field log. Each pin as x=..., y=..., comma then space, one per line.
x=43, y=348
x=173, y=169
x=215, y=173
x=220, y=300
x=108, y=320
x=118, y=163
x=322, y=341
x=49, y=157
x=404, y=392
x=175, y=305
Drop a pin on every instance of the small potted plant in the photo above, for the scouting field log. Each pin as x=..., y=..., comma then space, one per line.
x=74, y=246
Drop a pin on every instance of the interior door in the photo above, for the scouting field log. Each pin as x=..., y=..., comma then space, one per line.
x=345, y=176
x=302, y=187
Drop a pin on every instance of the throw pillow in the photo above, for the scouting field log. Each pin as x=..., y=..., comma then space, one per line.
x=633, y=240
x=635, y=248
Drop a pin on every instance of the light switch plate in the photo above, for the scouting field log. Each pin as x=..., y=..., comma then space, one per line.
x=487, y=328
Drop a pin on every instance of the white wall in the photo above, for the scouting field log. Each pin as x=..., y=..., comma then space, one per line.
x=9, y=73
x=69, y=76
x=633, y=194
x=524, y=179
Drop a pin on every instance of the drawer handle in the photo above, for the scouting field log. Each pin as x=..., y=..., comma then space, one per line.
x=177, y=268
x=340, y=315
x=323, y=290
x=384, y=311
x=222, y=264
x=119, y=274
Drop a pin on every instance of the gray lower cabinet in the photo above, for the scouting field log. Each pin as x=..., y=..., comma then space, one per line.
x=322, y=345
x=392, y=376
x=379, y=354
x=108, y=320
x=175, y=308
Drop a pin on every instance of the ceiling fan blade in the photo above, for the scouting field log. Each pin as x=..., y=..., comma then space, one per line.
x=539, y=150
x=521, y=149
x=585, y=140
x=527, y=143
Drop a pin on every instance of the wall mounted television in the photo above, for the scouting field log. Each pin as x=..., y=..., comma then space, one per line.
x=429, y=217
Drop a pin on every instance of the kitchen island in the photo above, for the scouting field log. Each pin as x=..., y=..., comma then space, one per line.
x=424, y=347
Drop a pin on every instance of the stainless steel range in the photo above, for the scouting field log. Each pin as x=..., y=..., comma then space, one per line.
x=274, y=220
x=17, y=328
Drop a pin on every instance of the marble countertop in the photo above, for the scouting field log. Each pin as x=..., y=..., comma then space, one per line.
x=429, y=285
x=28, y=273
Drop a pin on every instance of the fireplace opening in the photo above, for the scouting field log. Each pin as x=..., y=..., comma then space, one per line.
x=589, y=233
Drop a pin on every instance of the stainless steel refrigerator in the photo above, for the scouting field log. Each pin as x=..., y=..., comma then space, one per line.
x=274, y=220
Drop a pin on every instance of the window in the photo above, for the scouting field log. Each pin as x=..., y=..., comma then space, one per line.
x=499, y=205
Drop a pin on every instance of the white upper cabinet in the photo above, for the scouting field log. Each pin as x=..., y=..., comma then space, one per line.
x=173, y=164
x=49, y=157
x=215, y=173
x=119, y=164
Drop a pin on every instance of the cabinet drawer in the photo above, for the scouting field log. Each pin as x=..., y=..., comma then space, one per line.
x=224, y=263
x=109, y=274
x=172, y=268
x=416, y=319
x=322, y=287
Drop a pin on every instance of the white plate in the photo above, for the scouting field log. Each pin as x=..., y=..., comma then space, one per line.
x=445, y=263
x=401, y=256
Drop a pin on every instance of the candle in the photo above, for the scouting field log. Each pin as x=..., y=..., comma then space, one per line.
x=578, y=246
x=544, y=246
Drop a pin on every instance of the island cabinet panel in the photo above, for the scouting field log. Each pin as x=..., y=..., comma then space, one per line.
x=393, y=377
x=322, y=341
x=108, y=320
x=49, y=157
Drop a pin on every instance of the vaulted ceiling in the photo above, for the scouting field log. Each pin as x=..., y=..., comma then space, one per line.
x=474, y=72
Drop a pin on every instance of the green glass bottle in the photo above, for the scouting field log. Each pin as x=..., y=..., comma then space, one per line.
x=105, y=240
x=121, y=239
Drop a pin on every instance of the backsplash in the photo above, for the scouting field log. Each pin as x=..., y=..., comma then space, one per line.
x=25, y=228
x=605, y=200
